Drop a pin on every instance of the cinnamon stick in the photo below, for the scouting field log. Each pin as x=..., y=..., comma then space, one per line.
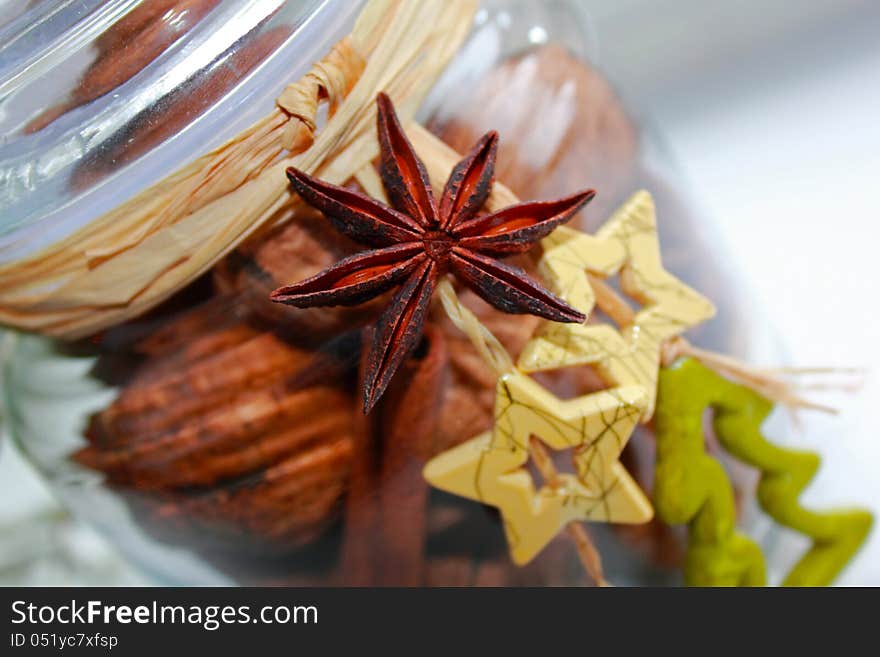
x=409, y=418
x=362, y=511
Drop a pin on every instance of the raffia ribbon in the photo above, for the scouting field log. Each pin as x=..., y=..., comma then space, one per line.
x=135, y=256
x=773, y=384
x=329, y=80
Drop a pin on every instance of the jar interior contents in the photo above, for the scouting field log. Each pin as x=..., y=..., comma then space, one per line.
x=236, y=429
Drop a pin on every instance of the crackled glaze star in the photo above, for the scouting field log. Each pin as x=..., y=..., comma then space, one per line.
x=417, y=241
x=490, y=468
x=627, y=244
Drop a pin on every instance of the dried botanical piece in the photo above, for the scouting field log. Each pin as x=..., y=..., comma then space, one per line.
x=296, y=250
x=627, y=244
x=202, y=386
x=408, y=423
x=386, y=510
x=553, y=413
x=153, y=26
x=216, y=441
x=489, y=468
x=132, y=258
x=286, y=505
x=470, y=393
x=418, y=241
x=583, y=133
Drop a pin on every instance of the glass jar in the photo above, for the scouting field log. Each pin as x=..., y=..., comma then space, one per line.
x=216, y=439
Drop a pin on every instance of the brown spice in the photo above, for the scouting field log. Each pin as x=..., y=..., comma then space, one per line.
x=297, y=250
x=289, y=504
x=570, y=130
x=184, y=454
x=127, y=47
x=156, y=123
x=409, y=417
x=362, y=510
x=212, y=381
x=230, y=443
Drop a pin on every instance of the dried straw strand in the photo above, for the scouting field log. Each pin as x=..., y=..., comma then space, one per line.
x=439, y=160
x=769, y=383
x=137, y=255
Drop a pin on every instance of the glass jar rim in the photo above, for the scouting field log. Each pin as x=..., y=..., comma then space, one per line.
x=39, y=204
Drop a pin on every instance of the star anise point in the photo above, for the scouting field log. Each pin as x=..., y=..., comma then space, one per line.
x=420, y=239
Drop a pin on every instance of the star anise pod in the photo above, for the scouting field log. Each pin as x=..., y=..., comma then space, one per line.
x=418, y=241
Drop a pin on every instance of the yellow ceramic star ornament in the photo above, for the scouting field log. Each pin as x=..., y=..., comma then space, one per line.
x=627, y=244
x=489, y=468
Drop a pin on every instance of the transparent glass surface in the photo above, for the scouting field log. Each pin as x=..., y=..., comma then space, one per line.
x=137, y=437
x=99, y=100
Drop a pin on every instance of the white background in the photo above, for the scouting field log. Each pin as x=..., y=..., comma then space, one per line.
x=772, y=110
